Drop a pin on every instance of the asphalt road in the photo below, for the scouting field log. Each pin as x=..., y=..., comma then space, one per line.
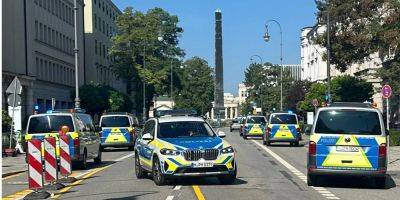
x=276, y=172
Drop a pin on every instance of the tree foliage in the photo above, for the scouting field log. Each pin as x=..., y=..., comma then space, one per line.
x=197, y=86
x=138, y=43
x=96, y=99
x=361, y=28
x=296, y=93
x=344, y=89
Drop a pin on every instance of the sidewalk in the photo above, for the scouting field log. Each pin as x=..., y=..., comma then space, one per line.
x=12, y=165
x=394, y=158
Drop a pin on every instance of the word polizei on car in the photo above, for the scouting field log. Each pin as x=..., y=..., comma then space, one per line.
x=177, y=146
x=348, y=139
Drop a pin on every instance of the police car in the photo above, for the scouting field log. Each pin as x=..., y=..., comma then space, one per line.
x=254, y=126
x=177, y=146
x=348, y=139
x=283, y=127
x=118, y=130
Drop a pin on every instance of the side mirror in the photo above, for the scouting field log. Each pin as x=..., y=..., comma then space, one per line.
x=221, y=134
x=147, y=136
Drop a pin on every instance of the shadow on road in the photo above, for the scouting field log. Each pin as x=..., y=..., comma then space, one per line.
x=353, y=182
x=185, y=181
x=111, y=149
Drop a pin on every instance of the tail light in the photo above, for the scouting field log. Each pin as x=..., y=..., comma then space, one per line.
x=298, y=130
x=382, y=150
x=76, y=142
x=101, y=134
x=312, y=148
x=268, y=129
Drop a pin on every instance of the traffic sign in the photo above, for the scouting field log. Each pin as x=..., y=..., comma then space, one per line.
x=15, y=87
x=386, y=91
x=14, y=100
x=315, y=102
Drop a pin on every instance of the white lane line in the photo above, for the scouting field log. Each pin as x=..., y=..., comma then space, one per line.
x=294, y=170
x=125, y=157
x=177, y=187
x=169, y=198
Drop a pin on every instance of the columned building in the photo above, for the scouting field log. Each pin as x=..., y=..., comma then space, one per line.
x=294, y=71
x=100, y=27
x=231, y=108
x=38, y=42
x=314, y=68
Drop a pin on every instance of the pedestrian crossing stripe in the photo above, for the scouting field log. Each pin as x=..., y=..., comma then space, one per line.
x=358, y=159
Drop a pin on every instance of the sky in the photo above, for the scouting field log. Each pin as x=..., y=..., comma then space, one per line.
x=243, y=27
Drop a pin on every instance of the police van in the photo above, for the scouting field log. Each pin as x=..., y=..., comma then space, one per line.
x=254, y=126
x=348, y=139
x=84, y=142
x=283, y=127
x=118, y=129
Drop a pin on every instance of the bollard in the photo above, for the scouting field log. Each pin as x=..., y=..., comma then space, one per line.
x=35, y=171
x=50, y=164
x=65, y=160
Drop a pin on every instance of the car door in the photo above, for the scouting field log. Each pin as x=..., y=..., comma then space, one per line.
x=143, y=147
x=86, y=134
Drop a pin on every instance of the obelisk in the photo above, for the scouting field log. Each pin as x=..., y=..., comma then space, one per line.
x=219, y=67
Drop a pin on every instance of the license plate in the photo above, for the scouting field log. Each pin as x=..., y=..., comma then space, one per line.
x=115, y=133
x=347, y=149
x=202, y=164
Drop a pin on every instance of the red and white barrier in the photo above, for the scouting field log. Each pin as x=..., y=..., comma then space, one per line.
x=50, y=160
x=35, y=168
x=65, y=157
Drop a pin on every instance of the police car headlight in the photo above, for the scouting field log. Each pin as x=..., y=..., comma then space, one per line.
x=227, y=150
x=170, y=152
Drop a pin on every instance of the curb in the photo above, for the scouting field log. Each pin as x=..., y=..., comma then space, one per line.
x=12, y=173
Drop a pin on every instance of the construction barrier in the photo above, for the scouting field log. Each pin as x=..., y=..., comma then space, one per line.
x=35, y=168
x=50, y=160
x=65, y=157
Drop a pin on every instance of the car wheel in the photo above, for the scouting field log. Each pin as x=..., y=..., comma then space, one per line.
x=312, y=180
x=297, y=143
x=380, y=182
x=97, y=160
x=139, y=171
x=131, y=148
x=228, y=179
x=83, y=163
x=244, y=137
x=158, y=177
x=101, y=148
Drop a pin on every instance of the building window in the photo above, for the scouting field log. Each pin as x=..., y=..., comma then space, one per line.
x=104, y=51
x=95, y=20
x=95, y=1
x=95, y=46
x=53, y=40
x=40, y=31
x=49, y=35
x=44, y=33
x=107, y=28
x=36, y=30
x=104, y=27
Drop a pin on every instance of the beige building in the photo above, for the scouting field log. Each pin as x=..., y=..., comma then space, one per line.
x=314, y=69
x=100, y=16
x=231, y=105
x=242, y=93
x=38, y=43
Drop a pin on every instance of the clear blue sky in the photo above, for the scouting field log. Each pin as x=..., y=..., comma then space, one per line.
x=243, y=27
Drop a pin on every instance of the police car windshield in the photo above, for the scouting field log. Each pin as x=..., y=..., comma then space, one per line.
x=184, y=129
x=49, y=124
x=348, y=122
x=256, y=120
x=283, y=119
x=115, y=121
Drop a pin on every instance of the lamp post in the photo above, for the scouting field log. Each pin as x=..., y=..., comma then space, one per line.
x=76, y=50
x=328, y=51
x=266, y=38
x=259, y=57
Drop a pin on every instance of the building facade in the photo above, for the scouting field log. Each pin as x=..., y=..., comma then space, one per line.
x=294, y=70
x=231, y=108
x=242, y=93
x=314, y=68
x=38, y=44
x=100, y=16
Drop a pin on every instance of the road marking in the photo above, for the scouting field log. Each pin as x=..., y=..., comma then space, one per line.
x=124, y=157
x=178, y=187
x=323, y=191
x=169, y=198
x=198, y=192
x=14, y=175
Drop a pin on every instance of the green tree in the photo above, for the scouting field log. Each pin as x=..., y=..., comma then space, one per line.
x=5, y=120
x=296, y=93
x=138, y=42
x=317, y=91
x=197, y=84
x=361, y=28
x=351, y=89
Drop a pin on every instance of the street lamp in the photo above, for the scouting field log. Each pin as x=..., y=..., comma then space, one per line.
x=267, y=38
x=76, y=50
x=259, y=57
